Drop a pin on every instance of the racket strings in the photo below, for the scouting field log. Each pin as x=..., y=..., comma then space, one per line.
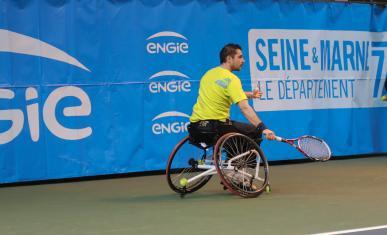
x=315, y=148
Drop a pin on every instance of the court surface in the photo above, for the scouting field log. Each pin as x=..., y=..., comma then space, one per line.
x=307, y=198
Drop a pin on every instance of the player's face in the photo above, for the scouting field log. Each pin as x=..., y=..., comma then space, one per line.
x=237, y=61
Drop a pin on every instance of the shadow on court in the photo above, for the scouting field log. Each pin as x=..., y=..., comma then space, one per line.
x=174, y=198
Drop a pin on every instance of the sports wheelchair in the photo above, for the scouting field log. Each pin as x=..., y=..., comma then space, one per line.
x=237, y=159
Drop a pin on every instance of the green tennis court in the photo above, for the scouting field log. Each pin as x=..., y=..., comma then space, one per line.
x=307, y=198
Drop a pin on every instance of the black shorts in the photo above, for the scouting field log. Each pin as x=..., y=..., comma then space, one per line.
x=208, y=131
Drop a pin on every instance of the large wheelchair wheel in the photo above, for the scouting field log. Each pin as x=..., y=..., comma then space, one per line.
x=241, y=165
x=184, y=164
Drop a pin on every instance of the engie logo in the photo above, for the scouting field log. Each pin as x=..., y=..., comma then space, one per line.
x=16, y=116
x=169, y=86
x=172, y=122
x=22, y=44
x=167, y=42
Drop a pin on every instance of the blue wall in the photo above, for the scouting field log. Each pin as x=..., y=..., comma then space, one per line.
x=106, y=87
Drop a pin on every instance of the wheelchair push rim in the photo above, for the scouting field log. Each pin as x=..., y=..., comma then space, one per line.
x=183, y=165
x=241, y=165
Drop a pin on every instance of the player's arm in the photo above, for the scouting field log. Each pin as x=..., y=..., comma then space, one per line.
x=253, y=118
x=248, y=112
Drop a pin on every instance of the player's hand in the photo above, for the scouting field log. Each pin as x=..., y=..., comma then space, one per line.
x=256, y=94
x=270, y=135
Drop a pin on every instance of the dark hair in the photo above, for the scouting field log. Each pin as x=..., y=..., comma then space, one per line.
x=228, y=50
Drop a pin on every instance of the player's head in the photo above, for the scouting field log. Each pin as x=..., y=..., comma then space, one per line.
x=231, y=54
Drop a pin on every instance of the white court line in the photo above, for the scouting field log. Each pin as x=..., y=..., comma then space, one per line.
x=352, y=230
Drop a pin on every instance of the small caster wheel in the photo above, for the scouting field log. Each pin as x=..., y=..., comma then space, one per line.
x=224, y=187
x=268, y=189
x=182, y=194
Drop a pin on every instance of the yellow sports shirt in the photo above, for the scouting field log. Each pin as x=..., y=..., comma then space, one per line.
x=219, y=89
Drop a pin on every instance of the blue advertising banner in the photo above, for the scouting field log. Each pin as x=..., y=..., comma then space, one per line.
x=106, y=87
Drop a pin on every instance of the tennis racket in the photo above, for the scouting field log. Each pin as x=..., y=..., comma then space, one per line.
x=310, y=146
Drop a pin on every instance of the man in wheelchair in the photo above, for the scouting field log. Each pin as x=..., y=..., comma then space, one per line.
x=218, y=145
x=219, y=89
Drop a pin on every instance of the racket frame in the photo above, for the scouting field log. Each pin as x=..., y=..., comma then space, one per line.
x=293, y=142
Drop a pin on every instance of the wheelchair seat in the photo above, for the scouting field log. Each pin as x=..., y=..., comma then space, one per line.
x=203, y=140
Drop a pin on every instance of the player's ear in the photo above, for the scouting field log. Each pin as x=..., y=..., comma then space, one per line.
x=228, y=58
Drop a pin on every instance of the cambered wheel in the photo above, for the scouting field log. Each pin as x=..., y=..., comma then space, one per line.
x=183, y=164
x=241, y=165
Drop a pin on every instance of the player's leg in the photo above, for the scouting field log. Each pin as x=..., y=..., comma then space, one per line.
x=248, y=130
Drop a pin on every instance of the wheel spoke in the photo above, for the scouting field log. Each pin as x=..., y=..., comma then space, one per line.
x=182, y=166
x=245, y=153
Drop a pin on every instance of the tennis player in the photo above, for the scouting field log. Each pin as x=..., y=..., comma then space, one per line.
x=219, y=89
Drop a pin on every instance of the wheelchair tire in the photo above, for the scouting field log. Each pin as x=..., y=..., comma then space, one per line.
x=182, y=164
x=235, y=158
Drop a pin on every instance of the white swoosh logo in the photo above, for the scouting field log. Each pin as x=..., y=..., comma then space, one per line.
x=22, y=44
x=168, y=73
x=166, y=34
x=170, y=114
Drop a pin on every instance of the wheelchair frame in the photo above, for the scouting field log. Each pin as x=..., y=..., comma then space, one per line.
x=233, y=169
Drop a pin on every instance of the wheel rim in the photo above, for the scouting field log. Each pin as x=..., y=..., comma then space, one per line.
x=242, y=176
x=183, y=164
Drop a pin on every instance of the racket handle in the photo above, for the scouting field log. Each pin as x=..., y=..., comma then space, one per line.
x=278, y=138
